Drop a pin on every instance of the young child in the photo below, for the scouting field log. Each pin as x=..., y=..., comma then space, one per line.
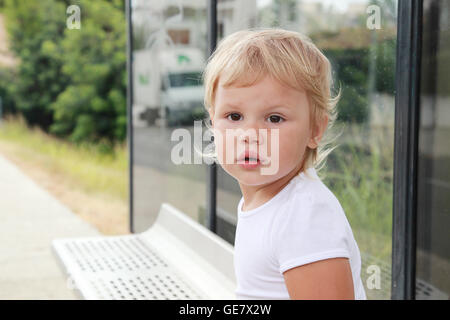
x=293, y=240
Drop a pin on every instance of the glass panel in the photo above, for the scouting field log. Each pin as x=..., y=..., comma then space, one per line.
x=360, y=42
x=433, y=209
x=169, y=54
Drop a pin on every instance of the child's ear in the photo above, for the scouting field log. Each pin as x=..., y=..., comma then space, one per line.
x=318, y=132
x=211, y=115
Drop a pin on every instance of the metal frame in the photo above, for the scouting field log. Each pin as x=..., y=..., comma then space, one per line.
x=128, y=12
x=407, y=113
x=212, y=168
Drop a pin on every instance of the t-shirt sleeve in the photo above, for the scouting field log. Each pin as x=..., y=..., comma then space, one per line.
x=308, y=230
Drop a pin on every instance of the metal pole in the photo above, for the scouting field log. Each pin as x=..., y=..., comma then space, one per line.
x=407, y=108
x=128, y=10
x=212, y=170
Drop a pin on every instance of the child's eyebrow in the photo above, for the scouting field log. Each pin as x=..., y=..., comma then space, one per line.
x=268, y=107
x=278, y=106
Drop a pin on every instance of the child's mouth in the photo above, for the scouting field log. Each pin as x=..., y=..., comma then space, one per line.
x=249, y=163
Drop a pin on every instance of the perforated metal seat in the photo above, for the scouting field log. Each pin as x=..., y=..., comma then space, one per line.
x=177, y=258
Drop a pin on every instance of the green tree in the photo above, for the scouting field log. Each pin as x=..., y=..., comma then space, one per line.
x=71, y=82
x=7, y=101
x=93, y=106
x=38, y=80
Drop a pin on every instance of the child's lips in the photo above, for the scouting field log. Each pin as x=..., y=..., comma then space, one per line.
x=250, y=159
x=248, y=156
x=249, y=163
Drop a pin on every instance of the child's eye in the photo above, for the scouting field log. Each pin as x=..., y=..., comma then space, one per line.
x=275, y=119
x=234, y=116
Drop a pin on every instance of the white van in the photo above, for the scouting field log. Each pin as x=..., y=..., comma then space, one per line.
x=168, y=85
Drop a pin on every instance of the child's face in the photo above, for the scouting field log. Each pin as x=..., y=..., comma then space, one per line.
x=265, y=105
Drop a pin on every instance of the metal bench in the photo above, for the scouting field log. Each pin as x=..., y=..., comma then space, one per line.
x=176, y=258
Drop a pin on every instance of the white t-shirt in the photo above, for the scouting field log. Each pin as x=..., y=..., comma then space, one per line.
x=301, y=224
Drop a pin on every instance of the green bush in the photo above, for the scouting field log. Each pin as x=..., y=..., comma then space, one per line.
x=70, y=82
x=37, y=81
x=351, y=68
x=8, y=103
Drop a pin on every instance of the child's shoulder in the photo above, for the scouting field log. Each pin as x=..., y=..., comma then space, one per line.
x=309, y=184
x=310, y=194
x=311, y=223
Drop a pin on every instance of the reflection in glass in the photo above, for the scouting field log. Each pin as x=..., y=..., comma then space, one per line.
x=360, y=171
x=185, y=79
x=169, y=54
x=433, y=207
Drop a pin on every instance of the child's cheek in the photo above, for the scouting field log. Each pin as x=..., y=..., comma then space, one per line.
x=290, y=145
x=218, y=143
x=224, y=145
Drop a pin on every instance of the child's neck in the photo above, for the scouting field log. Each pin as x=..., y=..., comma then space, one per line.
x=255, y=196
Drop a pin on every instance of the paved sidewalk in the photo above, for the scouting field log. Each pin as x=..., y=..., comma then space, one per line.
x=29, y=219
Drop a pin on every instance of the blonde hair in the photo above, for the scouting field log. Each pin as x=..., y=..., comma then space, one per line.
x=245, y=57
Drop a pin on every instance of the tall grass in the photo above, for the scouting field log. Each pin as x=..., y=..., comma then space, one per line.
x=360, y=174
x=93, y=168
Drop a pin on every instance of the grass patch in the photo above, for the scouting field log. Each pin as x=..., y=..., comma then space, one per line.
x=360, y=174
x=87, y=165
x=83, y=172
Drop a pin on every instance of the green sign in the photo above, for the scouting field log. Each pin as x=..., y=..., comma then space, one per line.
x=183, y=58
x=143, y=79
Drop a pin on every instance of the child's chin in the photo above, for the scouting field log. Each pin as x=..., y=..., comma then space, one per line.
x=253, y=178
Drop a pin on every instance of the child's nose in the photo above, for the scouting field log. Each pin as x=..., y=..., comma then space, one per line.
x=252, y=131
x=250, y=139
x=252, y=136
